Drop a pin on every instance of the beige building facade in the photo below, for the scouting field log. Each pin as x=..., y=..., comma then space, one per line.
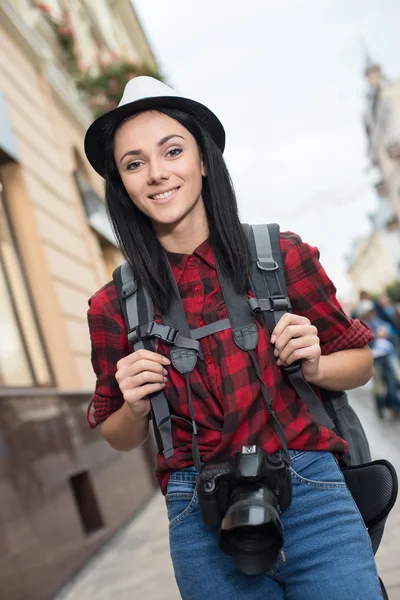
x=375, y=260
x=65, y=259
x=63, y=490
x=382, y=121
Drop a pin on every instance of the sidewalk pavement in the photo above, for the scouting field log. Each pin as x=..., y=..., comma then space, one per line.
x=383, y=436
x=135, y=564
x=388, y=555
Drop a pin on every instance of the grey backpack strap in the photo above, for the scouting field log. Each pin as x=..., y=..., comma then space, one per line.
x=268, y=278
x=244, y=328
x=132, y=309
x=268, y=274
x=185, y=350
x=307, y=394
x=184, y=356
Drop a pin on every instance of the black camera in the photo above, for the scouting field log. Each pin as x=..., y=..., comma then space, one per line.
x=244, y=496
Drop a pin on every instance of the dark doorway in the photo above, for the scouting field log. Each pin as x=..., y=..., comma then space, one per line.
x=86, y=502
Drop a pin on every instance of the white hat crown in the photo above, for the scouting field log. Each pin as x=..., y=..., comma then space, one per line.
x=142, y=87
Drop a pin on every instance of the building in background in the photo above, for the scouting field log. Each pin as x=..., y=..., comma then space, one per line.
x=62, y=489
x=374, y=262
x=382, y=124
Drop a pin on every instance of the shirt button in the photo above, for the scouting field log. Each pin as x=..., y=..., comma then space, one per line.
x=201, y=323
x=197, y=288
x=191, y=259
x=209, y=360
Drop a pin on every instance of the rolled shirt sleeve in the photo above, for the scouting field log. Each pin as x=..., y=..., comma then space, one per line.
x=313, y=295
x=109, y=344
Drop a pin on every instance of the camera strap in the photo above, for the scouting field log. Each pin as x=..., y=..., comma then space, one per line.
x=245, y=335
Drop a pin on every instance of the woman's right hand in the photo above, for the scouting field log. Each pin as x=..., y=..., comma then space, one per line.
x=138, y=375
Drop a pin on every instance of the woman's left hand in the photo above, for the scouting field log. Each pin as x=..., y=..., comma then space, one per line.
x=296, y=339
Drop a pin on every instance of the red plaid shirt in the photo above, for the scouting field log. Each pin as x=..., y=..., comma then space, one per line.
x=229, y=405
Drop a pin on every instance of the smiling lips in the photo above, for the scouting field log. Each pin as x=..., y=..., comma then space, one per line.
x=164, y=196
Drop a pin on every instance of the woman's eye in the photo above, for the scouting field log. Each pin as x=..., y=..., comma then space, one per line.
x=174, y=152
x=133, y=166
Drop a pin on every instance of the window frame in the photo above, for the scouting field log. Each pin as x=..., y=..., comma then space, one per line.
x=28, y=289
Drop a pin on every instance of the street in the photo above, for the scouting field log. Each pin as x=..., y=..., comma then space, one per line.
x=136, y=564
x=384, y=441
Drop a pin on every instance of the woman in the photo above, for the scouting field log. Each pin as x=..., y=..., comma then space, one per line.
x=171, y=203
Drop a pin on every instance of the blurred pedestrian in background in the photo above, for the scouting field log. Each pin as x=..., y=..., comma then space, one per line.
x=388, y=312
x=386, y=380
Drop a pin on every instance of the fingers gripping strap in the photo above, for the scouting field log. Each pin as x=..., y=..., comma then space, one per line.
x=128, y=294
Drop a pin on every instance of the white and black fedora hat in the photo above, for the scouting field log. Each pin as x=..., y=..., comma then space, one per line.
x=143, y=93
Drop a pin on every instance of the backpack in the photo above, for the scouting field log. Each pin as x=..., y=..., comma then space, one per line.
x=373, y=484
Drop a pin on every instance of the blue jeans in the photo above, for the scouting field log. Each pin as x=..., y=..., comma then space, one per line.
x=327, y=551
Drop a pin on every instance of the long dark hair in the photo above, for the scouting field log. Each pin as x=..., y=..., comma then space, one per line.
x=138, y=240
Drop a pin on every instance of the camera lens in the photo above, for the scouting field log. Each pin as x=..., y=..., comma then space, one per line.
x=251, y=530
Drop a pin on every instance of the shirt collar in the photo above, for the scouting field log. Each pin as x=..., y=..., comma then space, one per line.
x=178, y=262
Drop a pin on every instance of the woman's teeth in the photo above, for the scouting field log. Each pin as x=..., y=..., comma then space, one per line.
x=164, y=195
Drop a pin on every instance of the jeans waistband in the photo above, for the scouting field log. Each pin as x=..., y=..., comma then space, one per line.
x=189, y=474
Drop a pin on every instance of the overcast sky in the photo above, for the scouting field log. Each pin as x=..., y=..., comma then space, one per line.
x=286, y=79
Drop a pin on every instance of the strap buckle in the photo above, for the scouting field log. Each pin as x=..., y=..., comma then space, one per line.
x=254, y=304
x=134, y=336
x=167, y=333
x=280, y=303
x=267, y=264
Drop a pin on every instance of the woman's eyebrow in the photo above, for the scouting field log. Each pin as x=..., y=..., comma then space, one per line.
x=168, y=137
x=160, y=143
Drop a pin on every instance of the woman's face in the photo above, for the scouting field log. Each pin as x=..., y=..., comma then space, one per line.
x=160, y=166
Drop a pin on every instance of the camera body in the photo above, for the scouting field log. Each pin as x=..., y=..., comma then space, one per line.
x=244, y=497
x=249, y=467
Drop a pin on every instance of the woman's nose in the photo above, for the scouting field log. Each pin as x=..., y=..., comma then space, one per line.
x=157, y=173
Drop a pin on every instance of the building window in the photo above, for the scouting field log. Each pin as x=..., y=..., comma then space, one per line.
x=23, y=362
x=97, y=217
